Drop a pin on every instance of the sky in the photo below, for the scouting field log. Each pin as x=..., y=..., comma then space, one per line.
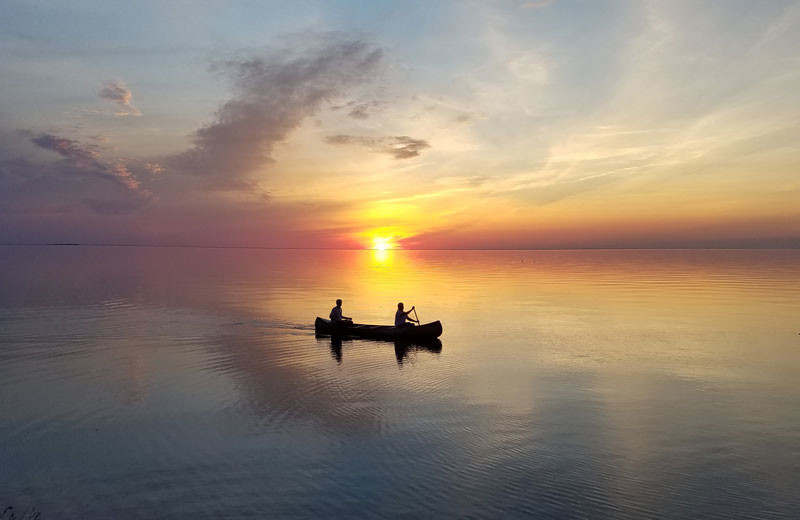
x=348, y=124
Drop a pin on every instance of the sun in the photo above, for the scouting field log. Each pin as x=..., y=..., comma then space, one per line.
x=382, y=243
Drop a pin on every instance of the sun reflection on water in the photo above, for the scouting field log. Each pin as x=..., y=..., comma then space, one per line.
x=382, y=257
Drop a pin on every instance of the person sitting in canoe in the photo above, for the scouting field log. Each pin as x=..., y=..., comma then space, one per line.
x=401, y=318
x=336, y=314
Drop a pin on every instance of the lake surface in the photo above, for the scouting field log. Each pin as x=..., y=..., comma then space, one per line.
x=188, y=383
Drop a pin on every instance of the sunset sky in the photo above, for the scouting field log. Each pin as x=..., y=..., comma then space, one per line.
x=430, y=124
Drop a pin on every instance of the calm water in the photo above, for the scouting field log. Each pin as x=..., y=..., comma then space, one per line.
x=188, y=383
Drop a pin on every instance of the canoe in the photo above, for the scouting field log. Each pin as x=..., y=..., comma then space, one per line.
x=358, y=330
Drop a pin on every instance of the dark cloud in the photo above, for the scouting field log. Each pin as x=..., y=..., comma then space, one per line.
x=399, y=147
x=81, y=174
x=85, y=158
x=273, y=95
x=82, y=154
x=118, y=93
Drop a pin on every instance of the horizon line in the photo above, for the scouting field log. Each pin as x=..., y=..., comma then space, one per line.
x=191, y=246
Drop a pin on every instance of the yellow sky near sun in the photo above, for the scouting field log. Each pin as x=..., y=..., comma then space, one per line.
x=610, y=176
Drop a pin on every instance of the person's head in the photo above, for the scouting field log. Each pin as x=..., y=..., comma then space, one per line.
x=400, y=306
x=339, y=303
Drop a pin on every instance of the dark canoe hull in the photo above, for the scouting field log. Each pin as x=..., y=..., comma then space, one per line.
x=357, y=330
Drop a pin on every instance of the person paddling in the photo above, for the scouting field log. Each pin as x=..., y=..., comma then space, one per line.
x=401, y=318
x=336, y=314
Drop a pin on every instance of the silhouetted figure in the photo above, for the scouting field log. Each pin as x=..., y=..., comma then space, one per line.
x=336, y=314
x=401, y=318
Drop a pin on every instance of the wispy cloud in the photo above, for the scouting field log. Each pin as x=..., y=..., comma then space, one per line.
x=399, y=147
x=273, y=95
x=83, y=160
x=84, y=155
x=365, y=110
x=118, y=93
x=462, y=180
x=361, y=109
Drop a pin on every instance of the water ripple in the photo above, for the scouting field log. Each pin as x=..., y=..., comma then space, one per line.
x=190, y=384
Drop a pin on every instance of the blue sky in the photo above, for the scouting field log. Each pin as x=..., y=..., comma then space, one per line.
x=519, y=124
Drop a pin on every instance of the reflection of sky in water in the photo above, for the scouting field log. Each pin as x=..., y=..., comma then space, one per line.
x=189, y=382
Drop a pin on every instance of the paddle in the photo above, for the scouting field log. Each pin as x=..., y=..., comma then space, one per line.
x=417, y=317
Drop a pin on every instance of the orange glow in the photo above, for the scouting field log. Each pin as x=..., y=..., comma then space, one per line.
x=382, y=243
x=382, y=257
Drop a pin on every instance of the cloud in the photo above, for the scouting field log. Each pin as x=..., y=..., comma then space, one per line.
x=364, y=110
x=154, y=168
x=120, y=94
x=118, y=190
x=462, y=180
x=273, y=95
x=85, y=158
x=84, y=155
x=361, y=110
x=399, y=147
x=124, y=175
